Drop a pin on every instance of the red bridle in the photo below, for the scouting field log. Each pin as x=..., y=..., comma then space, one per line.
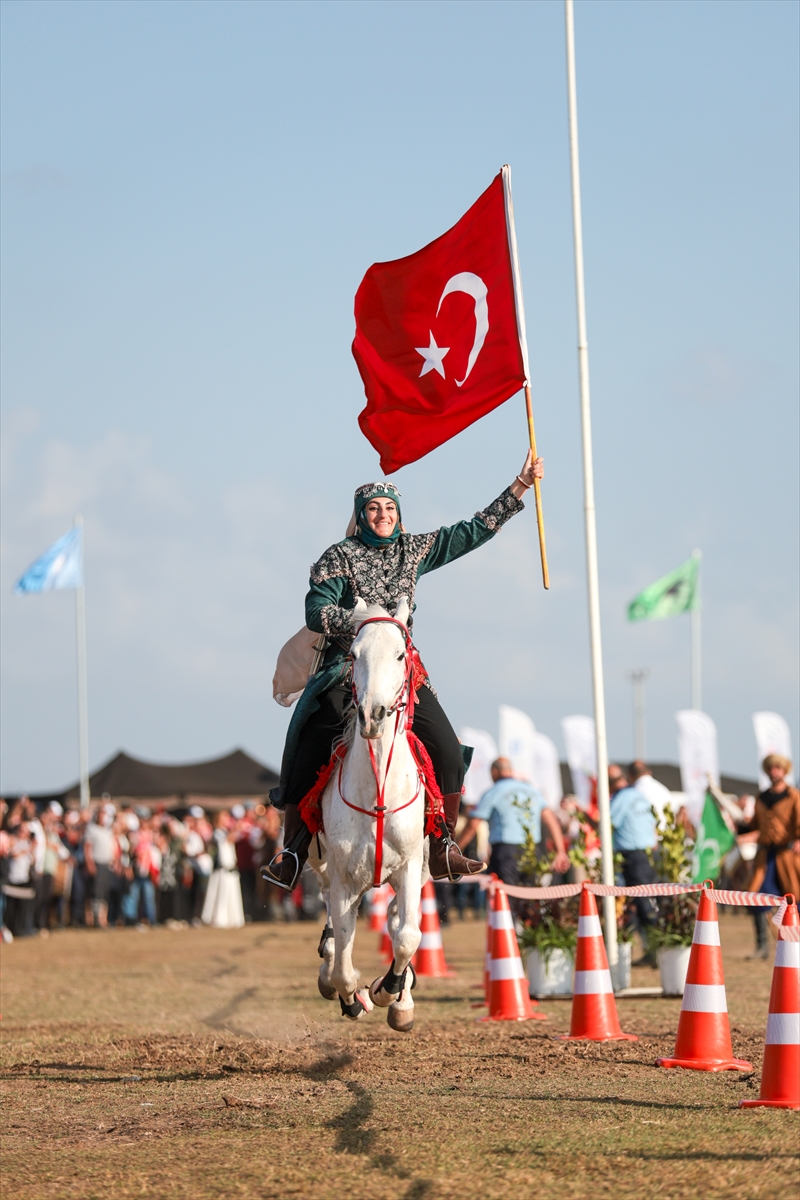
x=380, y=812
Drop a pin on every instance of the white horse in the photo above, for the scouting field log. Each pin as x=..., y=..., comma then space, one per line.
x=344, y=855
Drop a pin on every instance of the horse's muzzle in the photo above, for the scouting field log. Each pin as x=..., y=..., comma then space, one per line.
x=370, y=723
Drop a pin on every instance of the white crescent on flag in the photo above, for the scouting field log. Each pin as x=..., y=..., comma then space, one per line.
x=472, y=285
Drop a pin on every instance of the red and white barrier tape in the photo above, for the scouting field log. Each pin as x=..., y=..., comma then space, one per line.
x=562, y=891
x=559, y=891
x=644, y=889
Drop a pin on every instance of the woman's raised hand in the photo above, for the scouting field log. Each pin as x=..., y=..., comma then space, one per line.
x=533, y=469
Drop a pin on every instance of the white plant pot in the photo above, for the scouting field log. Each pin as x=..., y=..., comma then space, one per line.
x=550, y=978
x=621, y=973
x=673, y=963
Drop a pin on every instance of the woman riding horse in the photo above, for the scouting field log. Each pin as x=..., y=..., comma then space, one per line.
x=379, y=562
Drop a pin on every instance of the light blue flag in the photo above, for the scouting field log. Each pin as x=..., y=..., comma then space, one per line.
x=59, y=567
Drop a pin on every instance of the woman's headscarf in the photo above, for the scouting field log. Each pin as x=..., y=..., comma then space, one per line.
x=359, y=526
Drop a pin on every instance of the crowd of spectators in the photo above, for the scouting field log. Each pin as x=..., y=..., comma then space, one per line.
x=108, y=866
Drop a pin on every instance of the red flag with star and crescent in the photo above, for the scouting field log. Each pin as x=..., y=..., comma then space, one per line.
x=437, y=341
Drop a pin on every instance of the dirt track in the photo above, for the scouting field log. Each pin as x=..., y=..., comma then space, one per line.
x=203, y=1064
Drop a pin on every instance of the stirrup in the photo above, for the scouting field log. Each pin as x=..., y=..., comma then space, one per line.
x=266, y=872
x=448, y=844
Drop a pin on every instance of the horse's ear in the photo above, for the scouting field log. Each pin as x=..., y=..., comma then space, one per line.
x=402, y=612
x=359, y=612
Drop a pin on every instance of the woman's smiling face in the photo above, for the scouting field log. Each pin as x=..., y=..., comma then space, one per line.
x=381, y=515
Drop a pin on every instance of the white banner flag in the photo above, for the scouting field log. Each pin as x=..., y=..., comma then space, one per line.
x=518, y=741
x=772, y=737
x=697, y=755
x=547, y=770
x=581, y=755
x=478, y=779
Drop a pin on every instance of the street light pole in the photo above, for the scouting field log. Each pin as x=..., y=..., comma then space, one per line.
x=637, y=678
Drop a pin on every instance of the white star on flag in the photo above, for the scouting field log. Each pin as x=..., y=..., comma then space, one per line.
x=433, y=356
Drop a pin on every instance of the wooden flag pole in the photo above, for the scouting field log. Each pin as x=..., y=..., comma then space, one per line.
x=523, y=345
x=537, y=491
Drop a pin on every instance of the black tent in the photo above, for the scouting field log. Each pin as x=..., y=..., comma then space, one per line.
x=214, y=784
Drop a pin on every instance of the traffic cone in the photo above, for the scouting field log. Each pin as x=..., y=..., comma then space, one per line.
x=378, y=905
x=429, y=959
x=487, y=958
x=704, y=1035
x=594, y=1010
x=780, y=1075
x=508, y=987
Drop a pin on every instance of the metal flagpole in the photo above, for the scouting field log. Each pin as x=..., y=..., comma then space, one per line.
x=609, y=907
x=519, y=305
x=697, y=697
x=83, y=718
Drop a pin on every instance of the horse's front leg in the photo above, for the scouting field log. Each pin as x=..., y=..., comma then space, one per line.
x=343, y=976
x=327, y=988
x=394, y=989
x=318, y=862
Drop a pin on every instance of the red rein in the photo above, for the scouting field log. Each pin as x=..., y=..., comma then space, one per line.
x=380, y=812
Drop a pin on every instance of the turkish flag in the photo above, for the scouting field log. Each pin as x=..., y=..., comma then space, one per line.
x=436, y=336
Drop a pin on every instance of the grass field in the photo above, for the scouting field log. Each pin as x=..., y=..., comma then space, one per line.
x=203, y=1064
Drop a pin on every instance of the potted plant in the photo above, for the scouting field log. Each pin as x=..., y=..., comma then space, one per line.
x=670, y=937
x=548, y=943
x=621, y=972
x=549, y=927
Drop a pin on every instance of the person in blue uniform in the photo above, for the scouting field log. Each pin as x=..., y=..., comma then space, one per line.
x=507, y=806
x=634, y=833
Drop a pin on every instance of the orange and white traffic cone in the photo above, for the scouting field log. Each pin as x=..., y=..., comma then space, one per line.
x=508, y=987
x=704, y=1035
x=780, y=1075
x=378, y=905
x=487, y=959
x=429, y=959
x=594, y=1010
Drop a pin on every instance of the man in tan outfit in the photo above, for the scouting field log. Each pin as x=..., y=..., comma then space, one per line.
x=777, y=823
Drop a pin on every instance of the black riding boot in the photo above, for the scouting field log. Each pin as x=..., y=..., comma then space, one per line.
x=284, y=870
x=446, y=860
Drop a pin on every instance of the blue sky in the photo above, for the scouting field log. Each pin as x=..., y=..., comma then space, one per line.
x=191, y=194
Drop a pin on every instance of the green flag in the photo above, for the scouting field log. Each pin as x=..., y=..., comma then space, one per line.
x=712, y=843
x=676, y=593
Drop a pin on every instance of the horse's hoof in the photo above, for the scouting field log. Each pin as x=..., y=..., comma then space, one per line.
x=382, y=999
x=326, y=990
x=400, y=1019
x=355, y=1011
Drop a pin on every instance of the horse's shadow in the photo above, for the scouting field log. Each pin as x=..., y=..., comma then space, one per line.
x=351, y=1135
